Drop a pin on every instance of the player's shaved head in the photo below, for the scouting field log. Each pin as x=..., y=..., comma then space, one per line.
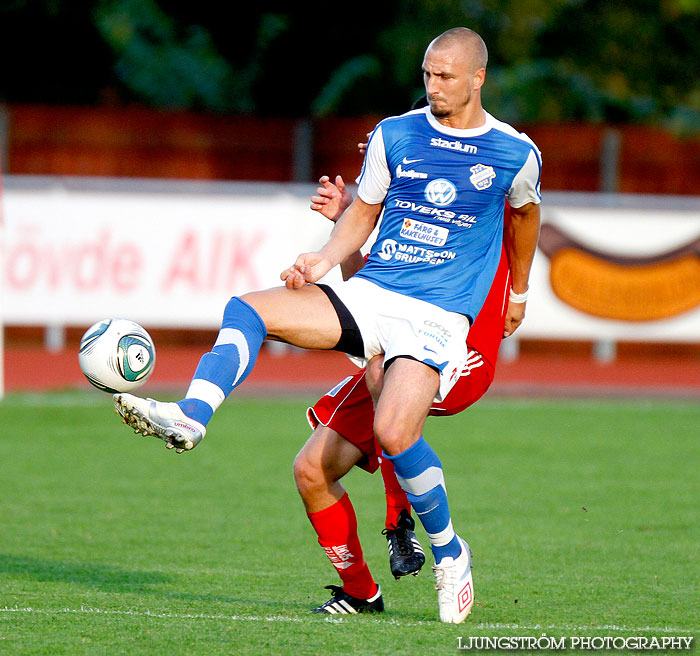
x=465, y=40
x=454, y=70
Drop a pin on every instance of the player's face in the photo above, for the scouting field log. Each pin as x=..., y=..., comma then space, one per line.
x=449, y=81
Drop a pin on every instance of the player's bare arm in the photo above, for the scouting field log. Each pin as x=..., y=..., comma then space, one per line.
x=331, y=201
x=521, y=235
x=351, y=231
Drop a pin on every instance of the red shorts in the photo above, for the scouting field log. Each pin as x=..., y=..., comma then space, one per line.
x=348, y=409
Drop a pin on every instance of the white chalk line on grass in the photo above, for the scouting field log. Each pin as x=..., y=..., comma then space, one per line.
x=93, y=398
x=89, y=610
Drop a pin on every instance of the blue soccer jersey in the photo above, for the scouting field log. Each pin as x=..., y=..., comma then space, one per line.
x=444, y=191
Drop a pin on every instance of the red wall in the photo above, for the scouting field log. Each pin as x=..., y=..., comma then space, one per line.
x=138, y=142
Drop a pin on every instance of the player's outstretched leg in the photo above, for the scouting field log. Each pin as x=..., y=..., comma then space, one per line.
x=419, y=472
x=182, y=425
x=406, y=555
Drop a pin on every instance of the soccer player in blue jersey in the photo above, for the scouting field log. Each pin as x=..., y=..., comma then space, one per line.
x=343, y=438
x=440, y=175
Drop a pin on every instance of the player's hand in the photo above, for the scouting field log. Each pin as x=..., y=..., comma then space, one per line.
x=331, y=199
x=514, y=317
x=362, y=146
x=309, y=267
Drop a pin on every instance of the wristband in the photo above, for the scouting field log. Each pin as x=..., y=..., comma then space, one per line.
x=518, y=298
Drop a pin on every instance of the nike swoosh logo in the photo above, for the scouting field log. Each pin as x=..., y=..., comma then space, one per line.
x=429, y=349
x=425, y=512
x=411, y=161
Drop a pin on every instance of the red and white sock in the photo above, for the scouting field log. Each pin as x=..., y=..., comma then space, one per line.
x=396, y=499
x=336, y=527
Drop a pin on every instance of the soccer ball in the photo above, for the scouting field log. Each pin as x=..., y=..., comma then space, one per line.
x=117, y=355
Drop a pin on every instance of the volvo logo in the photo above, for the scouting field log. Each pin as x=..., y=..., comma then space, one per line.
x=440, y=192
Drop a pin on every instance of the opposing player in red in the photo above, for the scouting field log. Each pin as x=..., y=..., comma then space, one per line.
x=343, y=438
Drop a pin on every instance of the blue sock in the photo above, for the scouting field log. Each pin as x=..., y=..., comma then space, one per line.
x=419, y=472
x=229, y=362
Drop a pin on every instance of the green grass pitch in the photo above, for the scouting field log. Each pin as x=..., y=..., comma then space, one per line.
x=583, y=518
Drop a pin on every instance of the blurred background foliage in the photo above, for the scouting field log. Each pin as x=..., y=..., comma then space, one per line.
x=627, y=61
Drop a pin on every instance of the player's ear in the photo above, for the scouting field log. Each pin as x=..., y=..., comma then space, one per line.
x=479, y=78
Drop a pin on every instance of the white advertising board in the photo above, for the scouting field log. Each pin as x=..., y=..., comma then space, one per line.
x=621, y=228
x=170, y=254
x=165, y=255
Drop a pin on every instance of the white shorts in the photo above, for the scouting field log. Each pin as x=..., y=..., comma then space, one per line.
x=398, y=325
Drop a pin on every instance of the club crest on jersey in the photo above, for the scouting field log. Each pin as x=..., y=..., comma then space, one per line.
x=441, y=192
x=482, y=176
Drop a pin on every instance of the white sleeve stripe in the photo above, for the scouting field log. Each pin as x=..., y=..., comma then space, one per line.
x=375, y=177
x=526, y=184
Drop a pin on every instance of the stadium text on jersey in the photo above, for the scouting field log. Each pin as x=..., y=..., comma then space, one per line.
x=453, y=145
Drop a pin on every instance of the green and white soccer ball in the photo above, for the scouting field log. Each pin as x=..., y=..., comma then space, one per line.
x=117, y=355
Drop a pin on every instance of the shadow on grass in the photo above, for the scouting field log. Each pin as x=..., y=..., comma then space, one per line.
x=104, y=577
x=108, y=578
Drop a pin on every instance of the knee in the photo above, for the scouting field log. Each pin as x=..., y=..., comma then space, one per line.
x=388, y=434
x=308, y=475
x=394, y=432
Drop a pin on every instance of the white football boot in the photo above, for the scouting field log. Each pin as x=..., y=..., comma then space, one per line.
x=165, y=421
x=453, y=581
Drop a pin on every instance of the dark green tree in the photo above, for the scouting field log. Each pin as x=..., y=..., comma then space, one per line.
x=550, y=60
